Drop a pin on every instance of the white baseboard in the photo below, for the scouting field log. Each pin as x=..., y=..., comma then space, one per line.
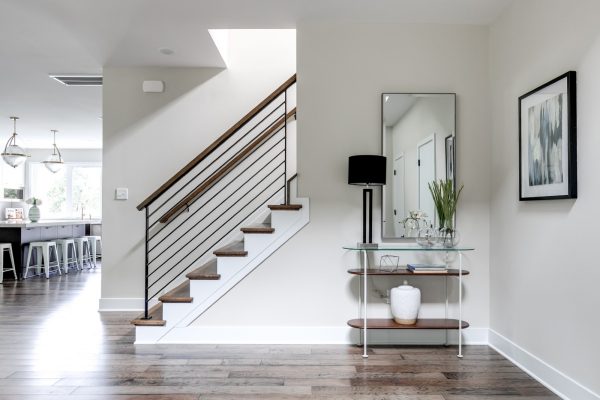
x=312, y=335
x=120, y=304
x=553, y=379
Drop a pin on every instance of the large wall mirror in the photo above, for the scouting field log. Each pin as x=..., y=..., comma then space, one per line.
x=419, y=141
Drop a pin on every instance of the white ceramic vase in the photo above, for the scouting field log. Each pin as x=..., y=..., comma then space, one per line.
x=405, y=301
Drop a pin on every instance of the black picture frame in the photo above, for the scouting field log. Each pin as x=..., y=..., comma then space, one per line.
x=548, y=165
x=450, y=158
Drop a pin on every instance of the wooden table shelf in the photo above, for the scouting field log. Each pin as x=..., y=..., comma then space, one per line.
x=404, y=272
x=425, y=323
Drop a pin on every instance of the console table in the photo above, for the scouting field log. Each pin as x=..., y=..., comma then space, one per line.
x=365, y=323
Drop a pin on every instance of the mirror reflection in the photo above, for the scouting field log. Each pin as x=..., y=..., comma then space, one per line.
x=418, y=136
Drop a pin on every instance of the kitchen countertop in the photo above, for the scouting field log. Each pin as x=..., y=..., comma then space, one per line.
x=47, y=222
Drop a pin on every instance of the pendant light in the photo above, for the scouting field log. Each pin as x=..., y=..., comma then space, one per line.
x=54, y=161
x=14, y=155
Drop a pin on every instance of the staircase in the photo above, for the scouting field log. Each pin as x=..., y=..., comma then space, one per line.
x=219, y=218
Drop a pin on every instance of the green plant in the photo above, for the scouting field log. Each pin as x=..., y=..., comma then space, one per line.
x=445, y=198
x=36, y=201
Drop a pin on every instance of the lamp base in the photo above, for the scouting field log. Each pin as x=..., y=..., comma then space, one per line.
x=367, y=245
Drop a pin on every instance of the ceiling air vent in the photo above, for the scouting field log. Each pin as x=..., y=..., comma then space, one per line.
x=79, y=80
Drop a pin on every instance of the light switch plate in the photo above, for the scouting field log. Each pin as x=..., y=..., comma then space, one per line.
x=121, y=194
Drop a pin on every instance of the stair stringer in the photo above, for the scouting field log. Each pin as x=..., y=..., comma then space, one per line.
x=232, y=270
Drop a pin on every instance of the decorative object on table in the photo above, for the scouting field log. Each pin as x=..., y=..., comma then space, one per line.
x=34, y=211
x=13, y=154
x=450, y=157
x=54, y=162
x=405, y=301
x=428, y=237
x=416, y=220
x=427, y=268
x=367, y=170
x=13, y=213
x=548, y=141
x=389, y=263
x=445, y=197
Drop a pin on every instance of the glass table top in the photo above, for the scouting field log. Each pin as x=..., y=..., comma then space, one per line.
x=407, y=247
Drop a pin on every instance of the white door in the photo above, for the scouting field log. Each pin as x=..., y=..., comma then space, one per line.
x=398, y=196
x=426, y=166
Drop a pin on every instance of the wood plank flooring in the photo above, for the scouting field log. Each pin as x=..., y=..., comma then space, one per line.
x=55, y=345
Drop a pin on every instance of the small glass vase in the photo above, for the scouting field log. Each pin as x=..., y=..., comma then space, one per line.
x=448, y=237
x=428, y=237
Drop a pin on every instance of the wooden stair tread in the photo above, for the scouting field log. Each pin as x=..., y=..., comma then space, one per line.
x=258, y=228
x=235, y=249
x=156, y=314
x=181, y=294
x=285, y=207
x=206, y=272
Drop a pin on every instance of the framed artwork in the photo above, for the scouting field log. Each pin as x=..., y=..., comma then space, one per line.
x=450, y=154
x=548, y=141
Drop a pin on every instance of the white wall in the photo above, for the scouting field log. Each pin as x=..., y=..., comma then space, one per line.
x=342, y=71
x=149, y=137
x=544, y=263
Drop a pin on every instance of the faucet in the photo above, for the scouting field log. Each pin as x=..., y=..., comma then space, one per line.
x=82, y=211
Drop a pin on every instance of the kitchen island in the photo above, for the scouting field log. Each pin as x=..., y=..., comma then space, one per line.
x=21, y=232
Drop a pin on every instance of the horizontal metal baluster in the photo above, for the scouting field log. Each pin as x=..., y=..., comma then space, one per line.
x=237, y=201
x=224, y=187
x=221, y=238
x=209, y=213
x=170, y=196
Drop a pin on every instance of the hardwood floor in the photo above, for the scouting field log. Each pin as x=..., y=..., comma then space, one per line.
x=55, y=345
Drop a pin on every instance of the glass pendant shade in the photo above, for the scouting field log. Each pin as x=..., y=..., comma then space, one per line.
x=54, y=162
x=14, y=155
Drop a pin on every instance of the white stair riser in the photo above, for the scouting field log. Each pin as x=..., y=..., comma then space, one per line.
x=226, y=265
x=254, y=243
x=281, y=220
x=150, y=334
x=175, y=311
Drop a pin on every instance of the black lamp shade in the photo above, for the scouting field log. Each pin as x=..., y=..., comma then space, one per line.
x=366, y=170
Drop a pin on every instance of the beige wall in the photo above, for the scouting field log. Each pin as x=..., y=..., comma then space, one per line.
x=342, y=71
x=544, y=263
x=149, y=137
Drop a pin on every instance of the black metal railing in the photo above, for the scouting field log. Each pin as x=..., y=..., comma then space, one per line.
x=227, y=185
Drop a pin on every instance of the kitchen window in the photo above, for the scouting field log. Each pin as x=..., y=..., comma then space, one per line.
x=72, y=192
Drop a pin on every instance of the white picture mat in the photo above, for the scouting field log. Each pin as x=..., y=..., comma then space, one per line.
x=555, y=189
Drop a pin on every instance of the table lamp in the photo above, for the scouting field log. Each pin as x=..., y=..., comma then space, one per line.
x=367, y=170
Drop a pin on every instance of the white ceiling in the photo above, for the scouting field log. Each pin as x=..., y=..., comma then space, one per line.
x=38, y=38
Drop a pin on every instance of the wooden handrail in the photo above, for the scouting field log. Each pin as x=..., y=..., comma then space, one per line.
x=225, y=169
x=220, y=140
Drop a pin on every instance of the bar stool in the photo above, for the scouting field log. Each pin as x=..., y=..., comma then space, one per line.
x=93, y=241
x=82, y=245
x=6, y=247
x=43, y=255
x=63, y=246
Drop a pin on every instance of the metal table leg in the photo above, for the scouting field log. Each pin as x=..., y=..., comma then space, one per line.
x=460, y=268
x=365, y=261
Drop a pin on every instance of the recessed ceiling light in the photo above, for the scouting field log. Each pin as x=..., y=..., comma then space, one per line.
x=166, y=51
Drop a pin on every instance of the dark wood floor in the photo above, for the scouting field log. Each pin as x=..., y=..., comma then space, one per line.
x=55, y=345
